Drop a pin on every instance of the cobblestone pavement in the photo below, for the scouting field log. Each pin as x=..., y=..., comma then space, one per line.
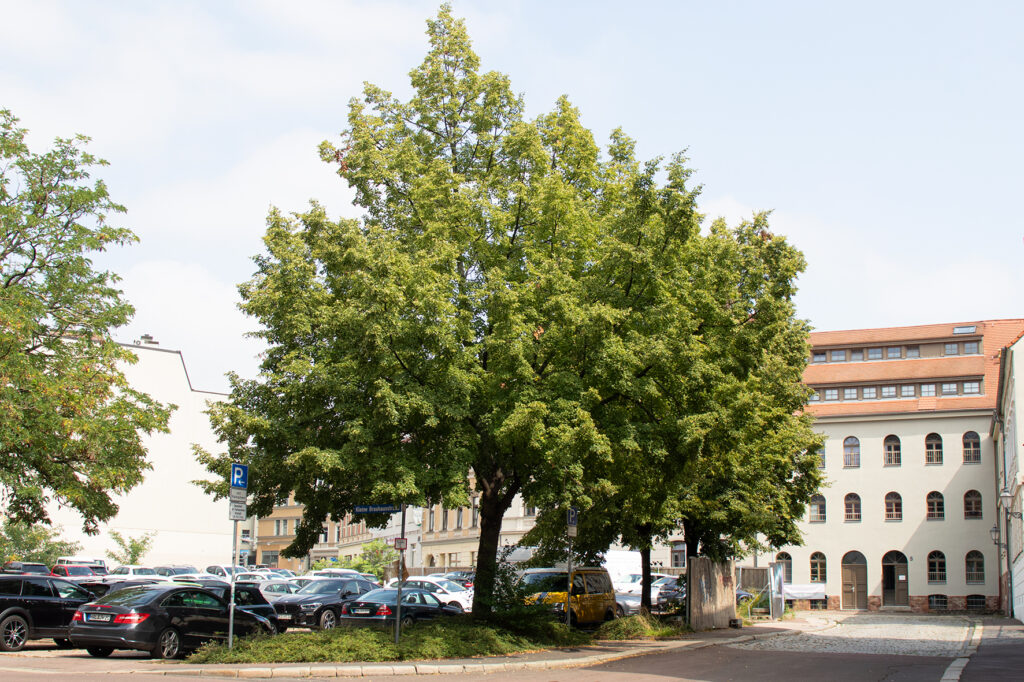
x=900, y=634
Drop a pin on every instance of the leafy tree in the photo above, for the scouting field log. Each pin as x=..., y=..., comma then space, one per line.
x=374, y=558
x=70, y=425
x=512, y=307
x=33, y=542
x=130, y=550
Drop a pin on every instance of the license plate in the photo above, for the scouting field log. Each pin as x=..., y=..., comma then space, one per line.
x=360, y=611
x=284, y=616
x=100, y=617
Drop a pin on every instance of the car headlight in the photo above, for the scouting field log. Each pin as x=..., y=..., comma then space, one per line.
x=312, y=606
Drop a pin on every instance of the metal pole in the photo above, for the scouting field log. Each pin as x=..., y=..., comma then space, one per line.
x=231, y=603
x=568, y=591
x=1009, y=566
x=401, y=577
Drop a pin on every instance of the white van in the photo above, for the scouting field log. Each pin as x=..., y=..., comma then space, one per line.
x=99, y=566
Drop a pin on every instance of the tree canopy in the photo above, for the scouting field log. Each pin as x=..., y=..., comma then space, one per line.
x=518, y=311
x=70, y=425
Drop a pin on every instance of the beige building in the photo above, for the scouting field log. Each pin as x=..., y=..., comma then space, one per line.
x=1009, y=480
x=903, y=520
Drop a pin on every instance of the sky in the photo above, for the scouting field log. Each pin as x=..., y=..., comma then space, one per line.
x=885, y=137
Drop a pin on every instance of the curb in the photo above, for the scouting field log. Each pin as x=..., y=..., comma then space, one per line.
x=970, y=647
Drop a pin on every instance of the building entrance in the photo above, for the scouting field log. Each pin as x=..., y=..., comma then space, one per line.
x=895, y=585
x=855, y=581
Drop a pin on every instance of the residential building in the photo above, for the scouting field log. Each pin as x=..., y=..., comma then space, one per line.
x=903, y=520
x=1008, y=528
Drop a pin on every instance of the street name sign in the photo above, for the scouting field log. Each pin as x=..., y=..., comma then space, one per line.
x=376, y=509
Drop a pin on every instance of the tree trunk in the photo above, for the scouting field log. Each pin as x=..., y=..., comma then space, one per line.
x=495, y=499
x=645, y=569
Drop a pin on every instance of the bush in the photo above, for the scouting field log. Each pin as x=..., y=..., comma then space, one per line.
x=639, y=627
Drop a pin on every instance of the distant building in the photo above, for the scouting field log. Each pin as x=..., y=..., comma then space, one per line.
x=1009, y=478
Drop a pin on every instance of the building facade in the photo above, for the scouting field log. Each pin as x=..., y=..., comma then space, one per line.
x=904, y=518
x=1009, y=480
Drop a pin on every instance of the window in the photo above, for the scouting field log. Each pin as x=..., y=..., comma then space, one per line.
x=870, y=393
x=949, y=388
x=937, y=602
x=530, y=511
x=430, y=519
x=874, y=353
x=936, y=567
x=270, y=558
x=853, y=507
x=951, y=349
x=458, y=518
x=966, y=329
x=894, y=352
x=444, y=518
x=787, y=566
x=851, y=452
x=893, y=507
x=970, y=347
x=817, y=567
x=933, y=449
x=817, y=509
x=323, y=533
x=837, y=356
x=277, y=526
x=972, y=387
x=856, y=355
x=679, y=555
x=913, y=351
x=907, y=391
x=975, y=602
x=927, y=390
x=972, y=504
x=893, y=456
x=815, y=396
x=831, y=394
x=888, y=391
x=849, y=394
x=475, y=519
x=818, y=356
x=972, y=448
x=821, y=459
x=975, y=565
x=936, y=506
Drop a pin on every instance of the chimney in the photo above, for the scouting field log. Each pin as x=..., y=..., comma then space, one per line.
x=148, y=340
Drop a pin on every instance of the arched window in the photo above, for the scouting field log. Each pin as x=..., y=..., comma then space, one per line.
x=817, y=567
x=933, y=449
x=936, y=567
x=972, y=448
x=893, y=507
x=852, y=507
x=936, y=506
x=787, y=566
x=817, y=509
x=975, y=565
x=430, y=560
x=972, y=504
x=851, y=452
x=893, y=457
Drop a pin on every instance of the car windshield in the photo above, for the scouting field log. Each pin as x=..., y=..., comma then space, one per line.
x=322, y=586
x=660, y=582
x=79, y=570
x=546, y=582
x=143, y=571
x=381, y=596
x=131, y=596
x=34, y=568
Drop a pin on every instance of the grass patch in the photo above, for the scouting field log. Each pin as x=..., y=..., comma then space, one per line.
x=451, y=638
x=639, y=627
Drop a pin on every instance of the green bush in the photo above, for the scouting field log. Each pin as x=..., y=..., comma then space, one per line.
x=639, y=627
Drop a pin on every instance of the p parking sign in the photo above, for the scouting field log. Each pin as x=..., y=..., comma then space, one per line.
x=239, y=475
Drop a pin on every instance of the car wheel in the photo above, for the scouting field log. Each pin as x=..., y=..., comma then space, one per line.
x=407, y=621
x=619, y=611
x=328, y=620
x=13, y=633
x=458, y=606
x=99, y=651
x=168, y=644
x=610, y=614
x=281, y=629
x=63, y=643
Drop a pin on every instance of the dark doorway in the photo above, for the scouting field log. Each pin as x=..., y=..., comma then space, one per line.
x=855, y=581
x=895, y=583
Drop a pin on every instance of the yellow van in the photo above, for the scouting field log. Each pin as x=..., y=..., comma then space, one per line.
x=593, y=597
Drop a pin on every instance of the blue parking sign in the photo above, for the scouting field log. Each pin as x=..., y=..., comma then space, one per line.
x=239, y=475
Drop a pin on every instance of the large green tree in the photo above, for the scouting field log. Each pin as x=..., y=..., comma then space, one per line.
x=70, y=425
x=33, y=542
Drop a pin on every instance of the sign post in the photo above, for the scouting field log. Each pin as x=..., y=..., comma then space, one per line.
x=400, y=546
x=571, y=517
x=236, y=512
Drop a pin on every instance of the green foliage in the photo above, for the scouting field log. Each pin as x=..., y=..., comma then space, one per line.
x=374, y=557
x=35, y=542
x=450, y=638
x=321, y=564
x=131, y=550
x=639, y=627
x=512, y=603
x=70, y=425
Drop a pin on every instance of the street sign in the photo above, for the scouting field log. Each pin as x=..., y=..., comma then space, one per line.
x=401, y=543
x=236, y=511
x=572, y=516
x=237, y=495
x=572, y=531
x=239, y=475
x=376, y=509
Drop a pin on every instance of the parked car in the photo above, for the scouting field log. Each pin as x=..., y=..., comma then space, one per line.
x=626, y=604
x=379, y=607
x=224, y=570
x=464, y=578
x=248, y=597
x=592, y=596
x=447, y=591
x=98, y=566
x=250, y=577
x=275, y=589
x=164, y=619
x=302, y=581
x=671, y=596
x=318, y=604
x=177, y=569
x=34, y=607
x=26, y=568
x=131, y=571
x=632, y=583
x=73, y=572
x=658, y=584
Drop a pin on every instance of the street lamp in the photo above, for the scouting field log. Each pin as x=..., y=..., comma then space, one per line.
x=1006, y=501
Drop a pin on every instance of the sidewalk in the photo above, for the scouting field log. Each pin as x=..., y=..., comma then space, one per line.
x=600, y=652
x=1000, y=656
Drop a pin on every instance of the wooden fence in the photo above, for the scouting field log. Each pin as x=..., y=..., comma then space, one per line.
x=712, y=593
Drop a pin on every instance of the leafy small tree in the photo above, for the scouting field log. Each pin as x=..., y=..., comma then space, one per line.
x=70, y=424
x=130, y=550
x=33, y=542
x=375, y=556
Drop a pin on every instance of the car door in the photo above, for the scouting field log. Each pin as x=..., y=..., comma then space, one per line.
x=43, y=604
x=211, y=615
x=71, y=598
x=181, y=616
x=430, y=606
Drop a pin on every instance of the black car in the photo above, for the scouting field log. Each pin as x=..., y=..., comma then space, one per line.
x=165, y=620
x=34, y=607
x=248, y=597
x=379, y=608
x=672, y=595
x=26, y=567
x=318, y=604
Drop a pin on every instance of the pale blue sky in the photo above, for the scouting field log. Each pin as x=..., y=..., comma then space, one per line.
x=886, y=137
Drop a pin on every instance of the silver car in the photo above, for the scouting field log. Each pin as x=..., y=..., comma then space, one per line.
x=275, y=589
